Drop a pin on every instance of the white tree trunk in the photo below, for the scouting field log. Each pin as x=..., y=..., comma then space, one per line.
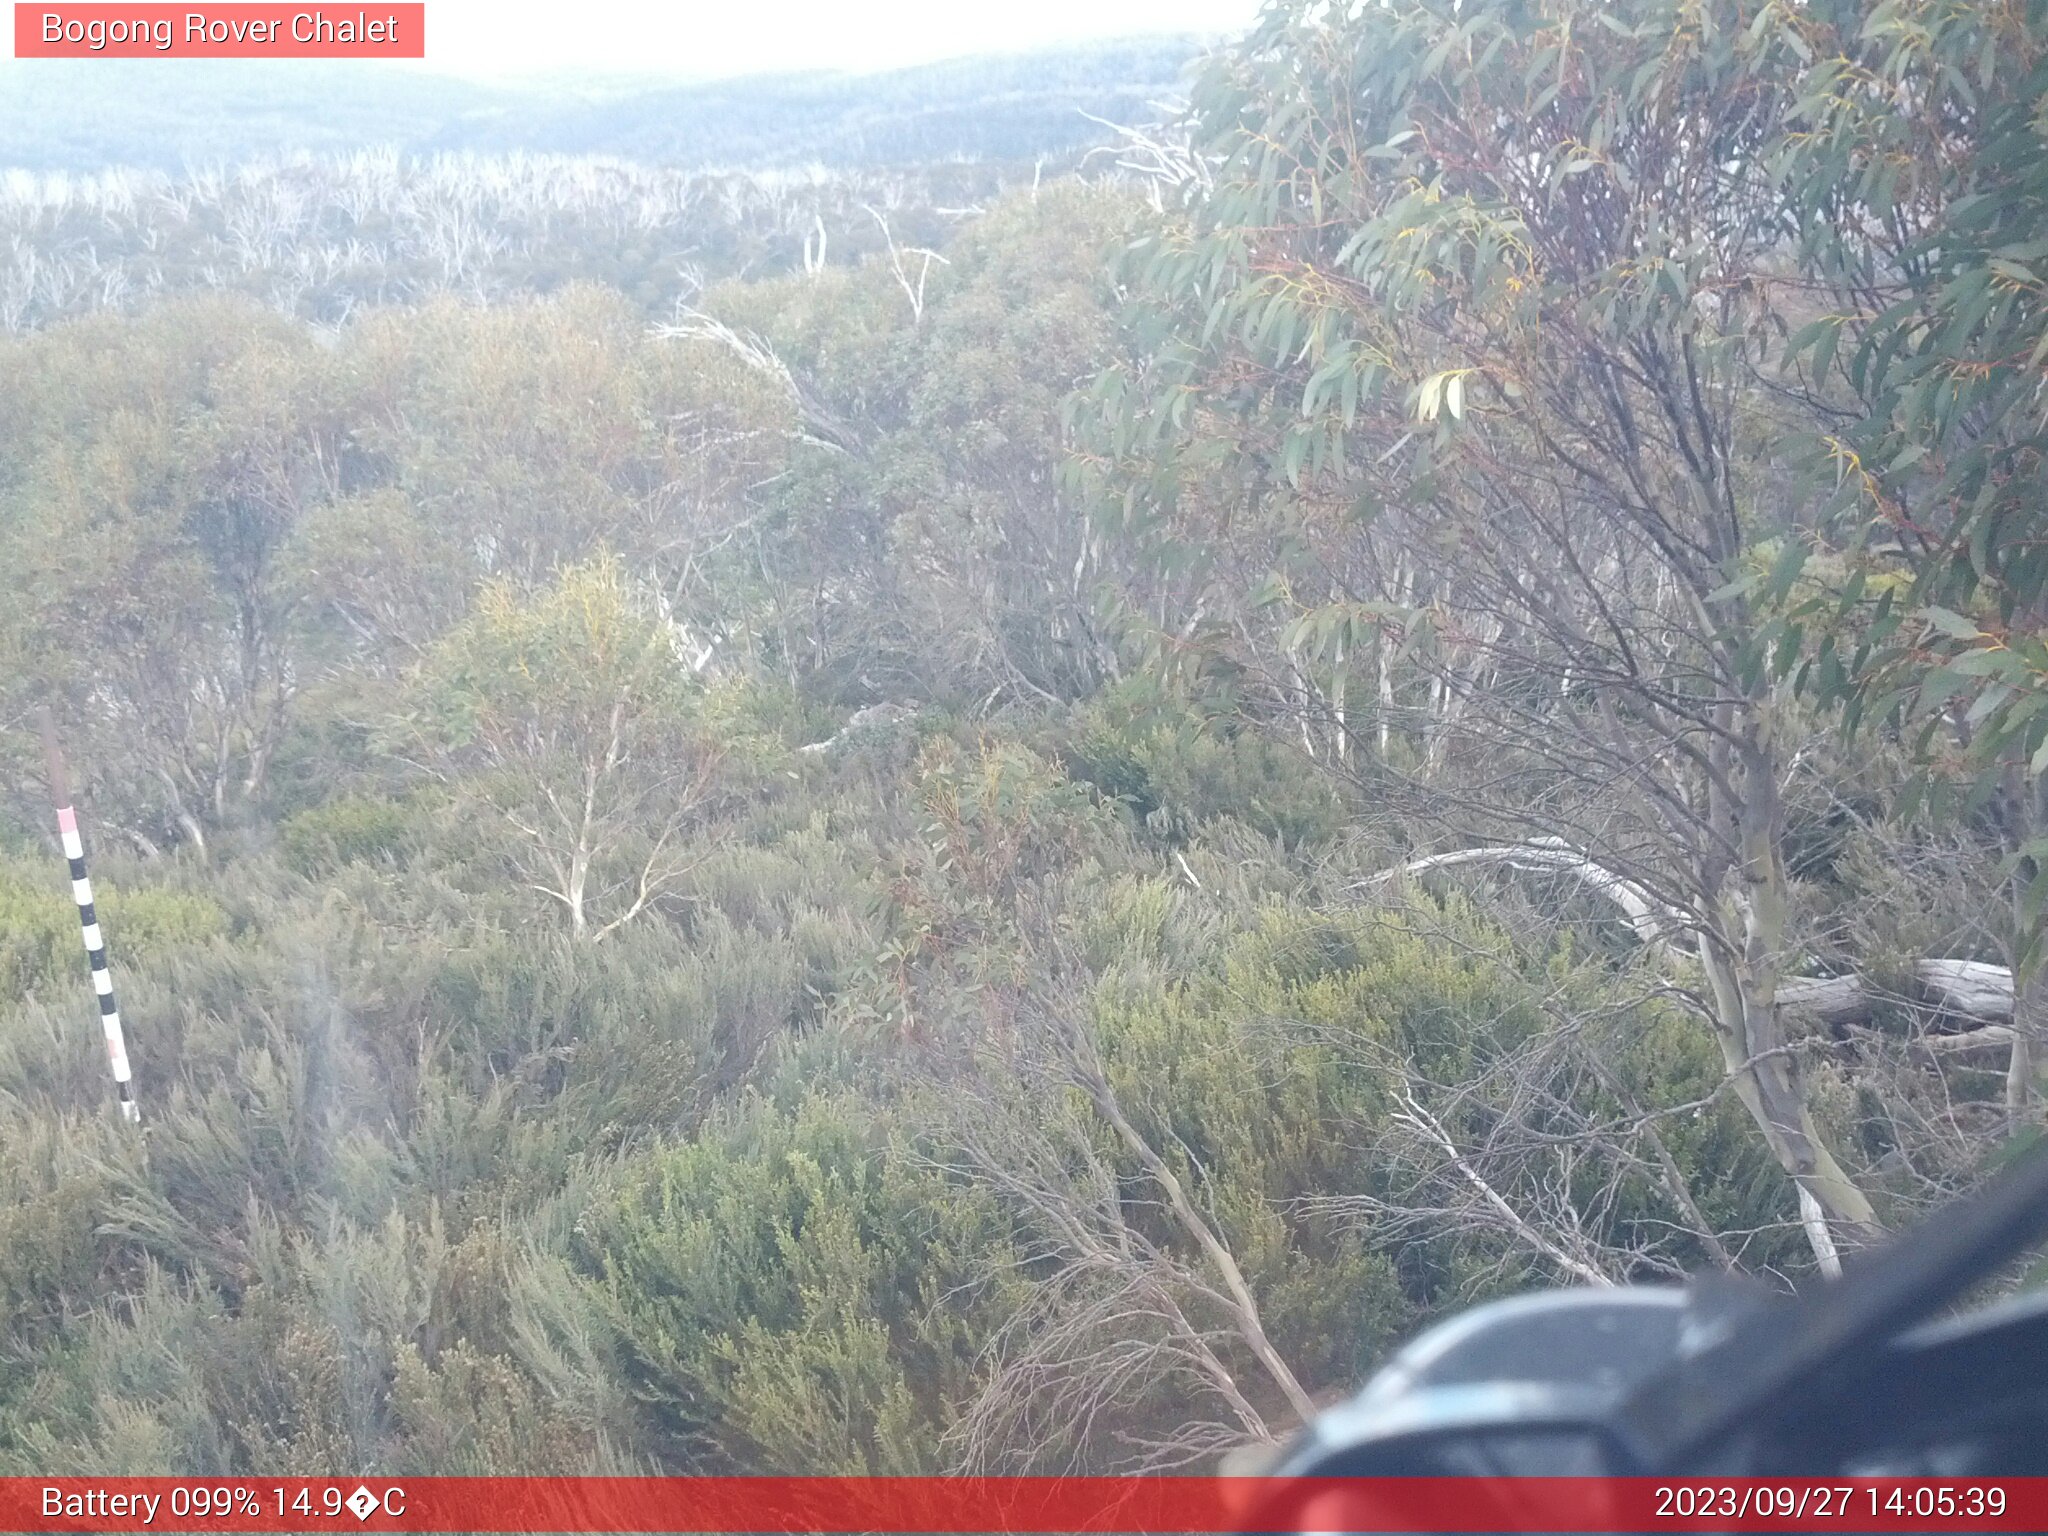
x=1969, y=989
x=1653, y=922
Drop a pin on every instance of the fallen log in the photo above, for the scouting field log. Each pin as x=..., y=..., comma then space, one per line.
x=1653, y=922
x=1968, y=989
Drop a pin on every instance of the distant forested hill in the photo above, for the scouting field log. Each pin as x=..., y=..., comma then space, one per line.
x=170, y=114
x=74, y=115
x=1014, y=107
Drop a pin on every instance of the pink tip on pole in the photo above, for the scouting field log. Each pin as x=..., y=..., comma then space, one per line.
x=67, y=819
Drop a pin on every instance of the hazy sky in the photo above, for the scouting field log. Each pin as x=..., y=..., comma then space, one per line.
x=730, y=37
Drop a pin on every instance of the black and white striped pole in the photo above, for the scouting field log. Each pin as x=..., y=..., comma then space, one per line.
x=88, y=920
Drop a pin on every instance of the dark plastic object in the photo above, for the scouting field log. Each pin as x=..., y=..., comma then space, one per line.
x=1847, y=1377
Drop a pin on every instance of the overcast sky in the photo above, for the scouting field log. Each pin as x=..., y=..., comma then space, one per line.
x=700, y=38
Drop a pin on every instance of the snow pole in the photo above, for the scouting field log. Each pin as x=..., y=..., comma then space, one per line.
x=88, y=921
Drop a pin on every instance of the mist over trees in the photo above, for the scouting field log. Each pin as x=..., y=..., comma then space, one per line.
x=952, y=818
x=171, y=115
x=321, y=238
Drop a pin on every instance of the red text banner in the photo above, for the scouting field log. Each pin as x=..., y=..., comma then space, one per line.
x=927, y=1506
x=234, y=31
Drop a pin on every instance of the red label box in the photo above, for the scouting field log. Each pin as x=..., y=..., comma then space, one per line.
x=376, y=30
x=1020, y=1506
